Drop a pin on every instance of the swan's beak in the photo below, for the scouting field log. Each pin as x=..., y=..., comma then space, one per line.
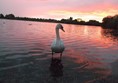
x=63, y=30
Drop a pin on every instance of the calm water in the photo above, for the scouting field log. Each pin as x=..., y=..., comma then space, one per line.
x=91, y=54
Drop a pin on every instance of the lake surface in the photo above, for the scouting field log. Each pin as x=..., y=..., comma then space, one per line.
x=91, y=54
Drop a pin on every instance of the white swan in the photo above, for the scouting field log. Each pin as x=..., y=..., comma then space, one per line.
x=58, y=45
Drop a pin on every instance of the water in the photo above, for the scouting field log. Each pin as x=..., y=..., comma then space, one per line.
x=91, y=54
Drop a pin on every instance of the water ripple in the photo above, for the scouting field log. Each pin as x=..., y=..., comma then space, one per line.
x=30, y=43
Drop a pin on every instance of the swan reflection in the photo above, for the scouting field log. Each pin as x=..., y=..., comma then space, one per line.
x=56, y=67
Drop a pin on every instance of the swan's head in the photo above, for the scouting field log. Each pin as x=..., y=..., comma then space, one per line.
x=59, y=26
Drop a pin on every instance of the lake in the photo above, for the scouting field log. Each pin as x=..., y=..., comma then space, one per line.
x=90, y=56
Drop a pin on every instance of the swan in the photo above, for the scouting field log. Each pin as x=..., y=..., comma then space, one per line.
x=57, y=44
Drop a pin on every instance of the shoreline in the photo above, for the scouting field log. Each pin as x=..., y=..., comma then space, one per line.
x=47, y=20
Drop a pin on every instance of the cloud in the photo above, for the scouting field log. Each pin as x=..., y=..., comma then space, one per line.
x=54, y=8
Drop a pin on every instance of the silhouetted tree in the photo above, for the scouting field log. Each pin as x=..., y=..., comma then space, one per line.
x=10, y=16
x=110, y=22
x=1, y=16
x=70, y=18
x=93, y=22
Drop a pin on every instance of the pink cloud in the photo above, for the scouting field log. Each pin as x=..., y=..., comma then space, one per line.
x=54, y=8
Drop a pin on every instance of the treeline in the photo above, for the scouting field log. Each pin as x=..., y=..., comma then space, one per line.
x=75, y=21
x=67, y=21
x=110, y=22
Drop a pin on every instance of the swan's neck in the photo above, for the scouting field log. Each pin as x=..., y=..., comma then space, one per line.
x=57, y=34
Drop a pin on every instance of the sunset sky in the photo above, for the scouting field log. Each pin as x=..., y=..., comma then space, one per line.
x=57, y=9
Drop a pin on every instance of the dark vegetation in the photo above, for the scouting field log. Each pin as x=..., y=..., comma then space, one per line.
x=110, y=22
x=110, y=27
x=67, y=21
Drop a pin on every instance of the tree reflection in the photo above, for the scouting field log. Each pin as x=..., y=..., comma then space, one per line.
x=110, y=33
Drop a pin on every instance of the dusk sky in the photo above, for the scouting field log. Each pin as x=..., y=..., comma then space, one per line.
x=57, y=9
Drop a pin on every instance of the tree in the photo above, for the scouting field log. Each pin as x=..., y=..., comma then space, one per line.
x=70, y=18
x=1, y=16
x=10, y=16
x=93, y=22
x=110, y=22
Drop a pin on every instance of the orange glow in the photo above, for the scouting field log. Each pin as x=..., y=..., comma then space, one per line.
x=86, y=10
x=93, y=15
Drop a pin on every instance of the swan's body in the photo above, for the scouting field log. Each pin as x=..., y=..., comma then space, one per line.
x=58, y=45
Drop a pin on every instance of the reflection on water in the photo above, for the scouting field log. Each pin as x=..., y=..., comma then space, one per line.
x=56, y=67
x=90, y=55
x=111, y=34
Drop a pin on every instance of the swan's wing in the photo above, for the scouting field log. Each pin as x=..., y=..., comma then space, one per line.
x=53, y=43
x=57, y=46
x=58, y=43
x=62, y=44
